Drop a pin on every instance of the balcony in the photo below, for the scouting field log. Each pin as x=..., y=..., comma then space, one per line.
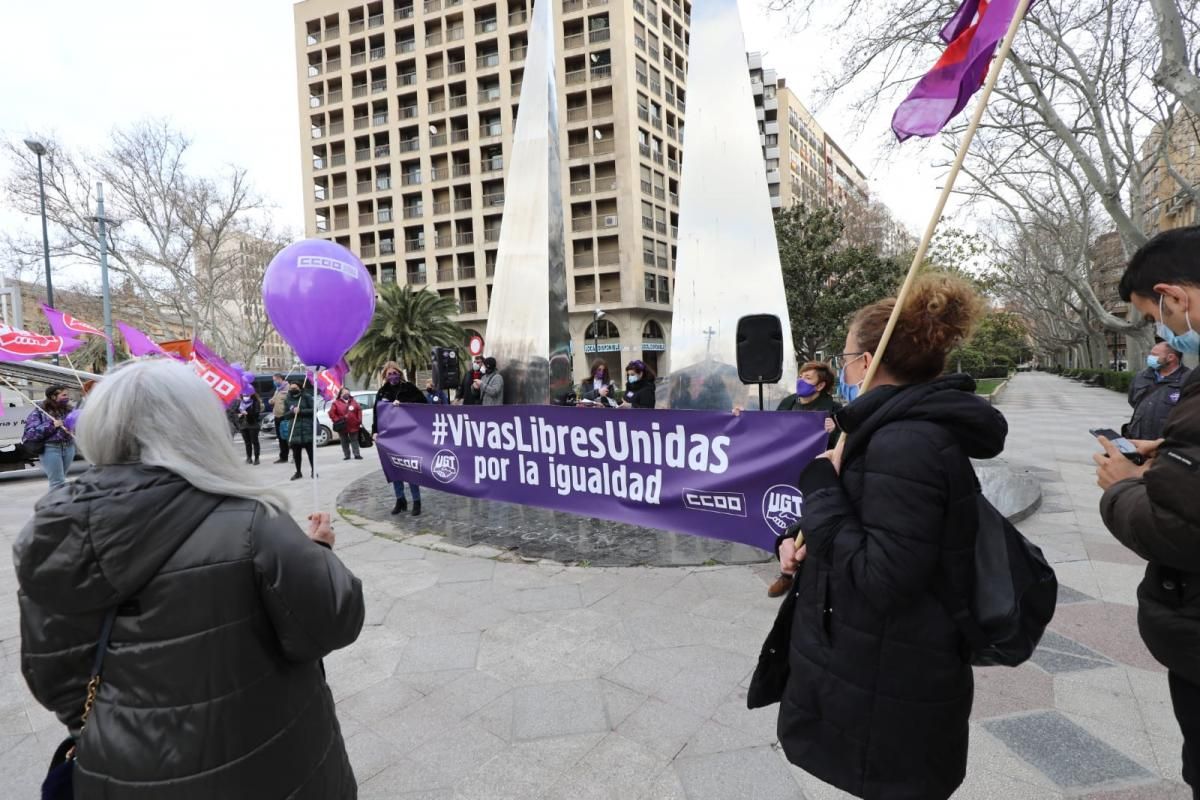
x=383, y=151
x=456, y=67
x=407, y=46
x=357, y=26
x=433, y=73
x=456, y=34
x=437, y=106
x=361, y=123
x=378, y=87
x=464, y=239
x=577, y=114
x=487, y=61
x=387, y=247
x=644, y=150
x=493, y=200
x=660, y=227
x=647, y=222
x=518, y=53
x=603, y=147
x=445, y=274
x=660, y=193
x=337, y=160
x=489, y=96
x=491, y=132
x=378, y=53
x=414, y=245
x=433, y=38
x=492, y=165
x=599, y=35
x=432, y=5
x=490, y=267
x=570, y=6
x=486, y=26
x=576, y=77
x=313, y=38
x=410, y=179
x=364, y=250
x=573, y=41
x=673, y=165
x=403, y=13
x=407, y=112
x=461, y=170
x=383, y=183
x=441, y=208
x=416, y=278
x=466, y=273
x=457, y=101
x=439, y=174
x=460, y=135
x=606, y=221
x=583, y=258
x=383, y=216
x=491, y=236
x=440, y=240
x=417, y=211
x=469, y=306
x=585, y=297
x=339, y=192
x=581, y=187
x=610, y=294
x=585, y=223
x=648, y=258
x=437, y=140
x=359, y=91
x=407, y=79
x=366, y=219
x=602, y=109
x=608, y=258
x=462, y=204
x=518, y=17
x=362, y=154
x=580, y=150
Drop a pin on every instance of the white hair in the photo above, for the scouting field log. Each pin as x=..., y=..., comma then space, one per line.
x=158, y=412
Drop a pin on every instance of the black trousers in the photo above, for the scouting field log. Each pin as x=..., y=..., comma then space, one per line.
x=298, y=450
x=1185, y=697
x=250, y=437
x=283, y=442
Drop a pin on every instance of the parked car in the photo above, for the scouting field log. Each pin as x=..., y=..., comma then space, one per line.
x=325, y=432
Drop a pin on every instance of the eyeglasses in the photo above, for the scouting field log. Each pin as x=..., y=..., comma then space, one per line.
x=842, y=359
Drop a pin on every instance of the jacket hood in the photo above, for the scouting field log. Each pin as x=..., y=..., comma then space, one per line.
x=96, y=541
x=949, y=401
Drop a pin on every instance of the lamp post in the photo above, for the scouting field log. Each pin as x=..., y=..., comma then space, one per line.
x=597, y=315
x=102, y=233
x=39, y=149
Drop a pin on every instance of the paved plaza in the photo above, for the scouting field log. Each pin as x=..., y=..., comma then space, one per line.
x=486, y=678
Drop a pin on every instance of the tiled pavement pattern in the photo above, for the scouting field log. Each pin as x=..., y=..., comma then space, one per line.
x=480, y=678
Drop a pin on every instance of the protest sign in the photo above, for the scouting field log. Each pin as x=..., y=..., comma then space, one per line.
x=705, y=473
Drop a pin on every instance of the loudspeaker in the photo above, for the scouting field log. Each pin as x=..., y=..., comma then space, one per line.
x=759, y=349
x=445, y=368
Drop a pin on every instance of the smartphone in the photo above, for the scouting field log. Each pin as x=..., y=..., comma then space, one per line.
x=1126, y=447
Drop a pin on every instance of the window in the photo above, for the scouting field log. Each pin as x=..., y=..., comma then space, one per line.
x=602, y=329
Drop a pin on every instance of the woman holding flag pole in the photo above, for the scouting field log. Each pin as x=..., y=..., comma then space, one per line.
x=878, y=691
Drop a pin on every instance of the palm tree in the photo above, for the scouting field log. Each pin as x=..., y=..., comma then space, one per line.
x=407, y=325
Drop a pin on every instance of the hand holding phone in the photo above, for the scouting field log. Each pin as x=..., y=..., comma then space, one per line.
x=1127, y=448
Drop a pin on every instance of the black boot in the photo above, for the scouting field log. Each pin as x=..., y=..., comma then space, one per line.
x=416, y=508
x=297, y=476
x=401, y=505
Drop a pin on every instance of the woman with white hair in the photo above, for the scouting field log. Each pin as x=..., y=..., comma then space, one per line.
x=209, y=606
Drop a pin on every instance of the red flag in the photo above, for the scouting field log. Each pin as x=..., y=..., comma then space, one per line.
x=329, y=381
x=212, y=369
x=18, y=345
x=63, y=324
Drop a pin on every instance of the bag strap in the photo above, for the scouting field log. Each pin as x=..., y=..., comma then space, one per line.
x=93, y=686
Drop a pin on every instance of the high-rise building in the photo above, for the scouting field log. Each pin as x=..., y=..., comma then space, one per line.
x=1171, y=175
x=804, y=164
x=407, y=115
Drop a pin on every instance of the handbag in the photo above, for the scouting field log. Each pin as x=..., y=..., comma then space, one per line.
x=771, y=675
x=59, y=783
x=339, y=426
x=364, y=439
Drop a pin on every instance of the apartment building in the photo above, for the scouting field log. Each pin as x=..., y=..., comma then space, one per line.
x=1167, y=165
x=804, y=164
x=407, y=110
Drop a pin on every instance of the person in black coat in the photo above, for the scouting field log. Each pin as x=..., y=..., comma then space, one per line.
x=398, y=389
x=599, y=389
x=879, y=693
x=639, y=386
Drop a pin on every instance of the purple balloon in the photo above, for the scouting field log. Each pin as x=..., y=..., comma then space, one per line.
x=72, y=419
x=320, y=298
x=247, y=383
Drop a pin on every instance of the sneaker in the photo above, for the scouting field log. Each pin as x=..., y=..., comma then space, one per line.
x=781, y=586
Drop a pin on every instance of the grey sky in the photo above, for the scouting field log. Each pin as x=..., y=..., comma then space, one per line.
x=224, y=73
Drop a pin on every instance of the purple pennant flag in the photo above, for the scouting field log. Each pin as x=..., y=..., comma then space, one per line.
x=19, y=345
x=139, y=343
x=223, y=379
x=63, y=324
x=959, y=73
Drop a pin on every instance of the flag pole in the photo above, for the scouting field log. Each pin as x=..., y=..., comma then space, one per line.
x=931, y=228
x=943, y=198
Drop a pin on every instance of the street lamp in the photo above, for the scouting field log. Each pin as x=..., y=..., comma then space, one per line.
x=40, y=150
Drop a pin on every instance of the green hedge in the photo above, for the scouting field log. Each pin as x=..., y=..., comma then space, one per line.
x=1109, y=379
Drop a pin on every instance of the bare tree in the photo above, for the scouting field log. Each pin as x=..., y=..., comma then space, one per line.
x=178, y=238
x=1176, y=71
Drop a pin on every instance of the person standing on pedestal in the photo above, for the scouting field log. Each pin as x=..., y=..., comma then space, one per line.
x=396, y=389
x=491, y=384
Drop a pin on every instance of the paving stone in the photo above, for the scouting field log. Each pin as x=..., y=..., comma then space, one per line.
x=1065, y=752
x=559, y=709
x=758, y=773
x=437, y=653
x=660, y=727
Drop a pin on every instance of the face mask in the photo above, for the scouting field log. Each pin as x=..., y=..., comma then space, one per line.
x=294, y=392
x=1152, y=362
x=632, y=378
x=849, y=391
x=1183, y=342
x=483, y=370
x=393, y=379
x=599, y=376
x=804, y=388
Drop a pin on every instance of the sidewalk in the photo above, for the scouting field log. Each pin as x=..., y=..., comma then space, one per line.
x=481, y=679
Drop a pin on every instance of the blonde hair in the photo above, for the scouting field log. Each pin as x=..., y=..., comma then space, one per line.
x=157, y=412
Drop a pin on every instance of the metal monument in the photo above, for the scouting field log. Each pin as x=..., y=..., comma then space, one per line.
x=728, y=262
x=527, y=331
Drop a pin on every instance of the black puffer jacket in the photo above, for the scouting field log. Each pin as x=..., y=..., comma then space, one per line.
x=212, y=684
x=879, y=694
x=1158, y=518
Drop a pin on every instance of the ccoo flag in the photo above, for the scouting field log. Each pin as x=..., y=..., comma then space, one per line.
x=19, y=345
x=63, y=324
x=972, y=35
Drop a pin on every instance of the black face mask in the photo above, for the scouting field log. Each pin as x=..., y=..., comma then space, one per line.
x=294, y=392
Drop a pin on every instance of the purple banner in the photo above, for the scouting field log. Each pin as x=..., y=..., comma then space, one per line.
x=700, y=472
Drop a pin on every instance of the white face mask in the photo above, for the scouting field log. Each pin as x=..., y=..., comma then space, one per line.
x=483, y=370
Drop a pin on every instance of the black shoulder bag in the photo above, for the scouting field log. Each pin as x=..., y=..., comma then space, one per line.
x=60, y=778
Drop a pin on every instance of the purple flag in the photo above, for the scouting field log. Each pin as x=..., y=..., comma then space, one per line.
x=139, y=343
x=63, y=324
x=19, y=345
x=330, y=381
x=945, y=90
x=705, y=473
